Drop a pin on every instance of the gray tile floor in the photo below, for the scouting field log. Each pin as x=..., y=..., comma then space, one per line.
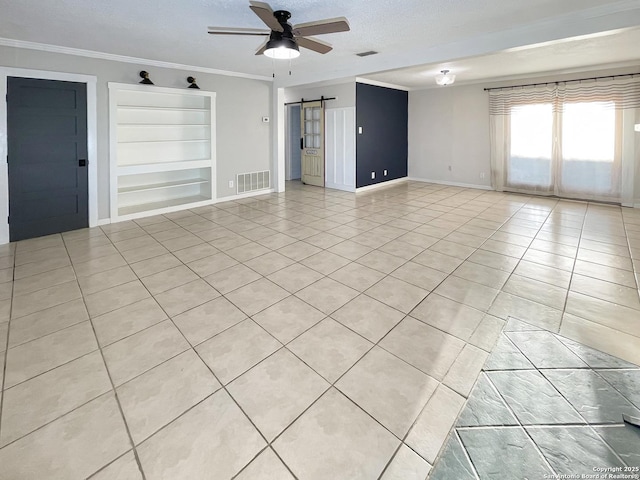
x=311, y=334
x=546, y=405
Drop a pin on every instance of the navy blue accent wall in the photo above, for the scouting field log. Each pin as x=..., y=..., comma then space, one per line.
x=383, y=115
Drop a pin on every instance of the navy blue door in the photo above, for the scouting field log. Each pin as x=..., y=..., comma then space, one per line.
x=47, y=147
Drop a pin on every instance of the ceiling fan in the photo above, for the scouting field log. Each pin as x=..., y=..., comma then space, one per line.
x=284, y=39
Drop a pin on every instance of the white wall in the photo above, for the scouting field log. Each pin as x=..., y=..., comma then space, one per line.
x=449, y=128
x=244, y=143
x=345, y=94
x=345, y=97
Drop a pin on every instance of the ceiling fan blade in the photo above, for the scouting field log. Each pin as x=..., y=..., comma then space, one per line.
x=264, y=11
x=330, y=25
x=314, y=44
x=262, y=48
x=237, y=31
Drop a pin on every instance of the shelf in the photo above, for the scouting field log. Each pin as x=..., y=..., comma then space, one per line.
x=158, y=186
x=176, y=109
x=167, y=141
x=162, y=149
x=163, y=167
x=150, y=207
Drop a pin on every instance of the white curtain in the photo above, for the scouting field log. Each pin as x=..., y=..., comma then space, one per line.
x=569, y=139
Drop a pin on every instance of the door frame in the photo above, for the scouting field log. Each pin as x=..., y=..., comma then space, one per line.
x=287, y=142
x=92, y=137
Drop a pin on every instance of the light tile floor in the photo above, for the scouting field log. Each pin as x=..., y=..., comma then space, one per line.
x=311, y=334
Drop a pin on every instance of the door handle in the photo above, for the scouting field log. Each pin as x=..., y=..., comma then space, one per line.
x=82, y=162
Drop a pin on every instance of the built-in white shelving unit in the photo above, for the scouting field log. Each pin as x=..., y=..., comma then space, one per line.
x=162, y=144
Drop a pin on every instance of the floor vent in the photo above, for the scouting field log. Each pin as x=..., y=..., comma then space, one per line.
x=366, y=54
x=250, y=182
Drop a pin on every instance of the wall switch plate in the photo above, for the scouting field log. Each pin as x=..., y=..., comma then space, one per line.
x=265, y=119
x=385, y=173
x=360, y=130
x=230, y=183
x=373, y=174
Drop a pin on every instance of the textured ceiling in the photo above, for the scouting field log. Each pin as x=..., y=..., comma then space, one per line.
x=405, y=32
x=616, y=49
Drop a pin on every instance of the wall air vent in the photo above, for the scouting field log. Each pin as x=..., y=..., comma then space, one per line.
x=250, y=182
x=366, y=54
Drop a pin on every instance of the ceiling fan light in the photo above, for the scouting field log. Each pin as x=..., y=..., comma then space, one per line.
x=282, y=49
x=445, y=78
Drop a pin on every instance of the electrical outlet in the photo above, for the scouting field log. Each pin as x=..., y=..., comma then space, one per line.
x=482, y=175
x=230, y=183
x=373, y=174
x=385, y=173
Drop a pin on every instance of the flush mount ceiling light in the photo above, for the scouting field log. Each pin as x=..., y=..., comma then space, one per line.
x=445, y=78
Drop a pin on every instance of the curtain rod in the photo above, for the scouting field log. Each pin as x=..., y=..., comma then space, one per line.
x=562, y=81
x=302, y=100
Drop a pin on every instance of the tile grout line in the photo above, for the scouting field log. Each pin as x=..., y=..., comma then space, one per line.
x=566, y=298
x=635, y=272
x=222, y=387
x=597, y=372
x=520, y=424
x=249, y=317
x=402, y=442
x=586, y=424
x=113, y=388
x=457, y=437
x=5, y=354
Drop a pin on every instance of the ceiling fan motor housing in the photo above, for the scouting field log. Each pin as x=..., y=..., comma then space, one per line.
x=284, y=39
x=282, y=16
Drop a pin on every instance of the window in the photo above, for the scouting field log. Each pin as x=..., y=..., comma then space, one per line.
x=531, y=146
x=312, y=129
x=572, y=139
x=588, y=148
x=583, y=160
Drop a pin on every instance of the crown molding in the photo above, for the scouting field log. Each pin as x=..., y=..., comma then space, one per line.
x=377, y=83
x=43, y=47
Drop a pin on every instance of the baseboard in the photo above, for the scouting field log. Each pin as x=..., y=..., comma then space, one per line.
x=337, y=186
x=107, y=221
x=388, y=183
x=240, y=196
x=451, y=184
